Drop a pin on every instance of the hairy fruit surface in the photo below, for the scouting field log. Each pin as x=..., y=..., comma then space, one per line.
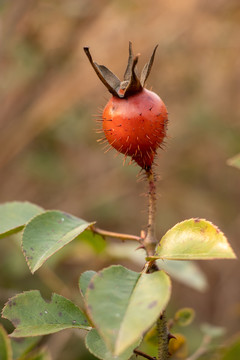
x=135, y=119
x=136, y=126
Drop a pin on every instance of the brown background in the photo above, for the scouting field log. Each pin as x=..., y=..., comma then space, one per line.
x=49, y=94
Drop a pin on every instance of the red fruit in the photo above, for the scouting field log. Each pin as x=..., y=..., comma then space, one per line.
x=135, y=126
x=134, y=119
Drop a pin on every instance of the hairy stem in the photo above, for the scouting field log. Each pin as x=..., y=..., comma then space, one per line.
x=115, y=235
x=150, y=240
x=162, y=337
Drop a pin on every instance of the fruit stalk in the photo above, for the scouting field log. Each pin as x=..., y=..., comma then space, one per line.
x=150, y=240
x=150, y=243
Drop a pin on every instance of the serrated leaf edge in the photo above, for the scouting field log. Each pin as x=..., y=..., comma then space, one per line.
x=20, y=227
x=180, y=257
x=33, y=269
x=89, y=348
x=88, y=328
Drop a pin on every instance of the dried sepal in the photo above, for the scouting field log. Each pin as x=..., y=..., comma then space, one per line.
x=131, y=84
x=111, y=81
x=127, y=74
x=147, y=68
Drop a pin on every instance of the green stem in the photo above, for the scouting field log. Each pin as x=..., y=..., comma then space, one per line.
x=162, y=337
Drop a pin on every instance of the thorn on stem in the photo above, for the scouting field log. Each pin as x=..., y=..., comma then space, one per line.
x=171, y=336
x=141, y=247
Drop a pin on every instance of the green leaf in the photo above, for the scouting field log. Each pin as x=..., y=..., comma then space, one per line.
x=123, y=304
x=234, y=161
x=14, y=215
x=5, y=345
x=47, y=233
x=194, y=239
x=184, y=317
x=186, y=272
x=21, y=346
x=84, y=281
x=33, y=316
x=97, y=347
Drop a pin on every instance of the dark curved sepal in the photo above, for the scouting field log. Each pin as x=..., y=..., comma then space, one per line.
x=147, y=68
x=131, y=83
x=128, y=71
x=111, y=82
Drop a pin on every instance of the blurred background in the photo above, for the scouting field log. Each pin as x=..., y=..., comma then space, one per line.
x=49, y=153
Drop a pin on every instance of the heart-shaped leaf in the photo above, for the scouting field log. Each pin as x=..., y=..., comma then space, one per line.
x=47, y=233
x=194, y=239
x=93, y=341
x=14, y=215
x=123, y=304
x=33, y=316
x=97, y=347
x=5, y=345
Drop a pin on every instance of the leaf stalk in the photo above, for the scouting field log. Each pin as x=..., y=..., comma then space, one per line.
x=106, y=233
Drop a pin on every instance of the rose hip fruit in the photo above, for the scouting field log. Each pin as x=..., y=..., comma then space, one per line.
x=135, y=119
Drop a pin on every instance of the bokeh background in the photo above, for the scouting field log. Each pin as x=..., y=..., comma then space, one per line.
x=49, y=155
